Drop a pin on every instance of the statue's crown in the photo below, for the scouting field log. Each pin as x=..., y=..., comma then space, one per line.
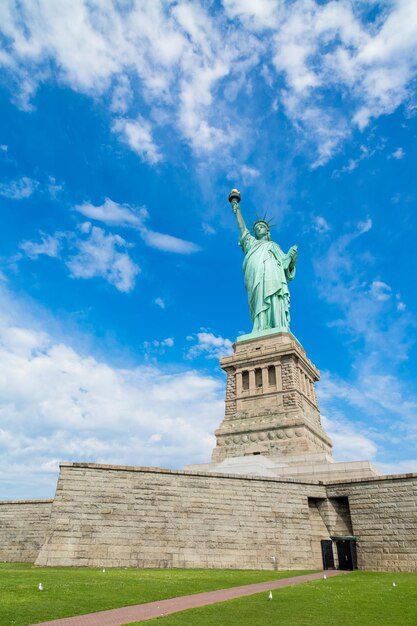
x=262, y=220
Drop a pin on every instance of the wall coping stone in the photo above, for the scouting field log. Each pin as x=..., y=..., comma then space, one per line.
x=26, y=501
x=159, y=470
x=369, y=479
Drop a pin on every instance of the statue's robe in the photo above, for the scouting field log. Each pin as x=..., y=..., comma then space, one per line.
x=267, y=274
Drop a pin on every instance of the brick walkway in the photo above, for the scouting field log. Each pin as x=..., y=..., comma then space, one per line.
x=142, y=612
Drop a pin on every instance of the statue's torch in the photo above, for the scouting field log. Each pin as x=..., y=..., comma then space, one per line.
x=234, y=199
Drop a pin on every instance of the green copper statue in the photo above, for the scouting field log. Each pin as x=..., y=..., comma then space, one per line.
x=267, y=273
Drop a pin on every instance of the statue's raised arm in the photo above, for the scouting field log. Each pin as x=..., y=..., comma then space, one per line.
x=234, y=199
x=267, y=273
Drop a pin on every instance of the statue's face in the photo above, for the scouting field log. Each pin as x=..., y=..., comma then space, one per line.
x=261, y=230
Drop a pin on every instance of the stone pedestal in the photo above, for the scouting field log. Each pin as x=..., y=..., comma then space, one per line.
x=271, y=405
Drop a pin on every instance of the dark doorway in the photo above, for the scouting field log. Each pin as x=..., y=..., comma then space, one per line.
x=327, y=553
x=346, y=553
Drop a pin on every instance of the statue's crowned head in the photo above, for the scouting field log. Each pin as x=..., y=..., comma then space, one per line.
x=262, y=230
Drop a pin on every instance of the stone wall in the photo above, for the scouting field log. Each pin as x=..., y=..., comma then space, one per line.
x=383, y=512
x=23, y=529
x=147, y=517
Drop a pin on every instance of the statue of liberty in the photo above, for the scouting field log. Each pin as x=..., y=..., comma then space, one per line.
x=267, y=272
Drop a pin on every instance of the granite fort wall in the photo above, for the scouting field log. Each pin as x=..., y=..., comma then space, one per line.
x=383, y=513
x=23, y=529
x=147, y=517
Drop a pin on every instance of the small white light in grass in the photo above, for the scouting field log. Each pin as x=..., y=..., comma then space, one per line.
x=103, y=570
x=324, y=577
x=270, y=595
x=394, y=585
x=40, y=587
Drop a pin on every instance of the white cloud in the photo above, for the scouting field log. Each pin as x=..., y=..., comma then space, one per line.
x=138, y=136
x=372, y=417
x=99, y=256
x=320, y=224
x=190, y=64
x=348, y=443
x=57, y=404
x=379, y=340
x=167, y=243
x=326, y=46
x=398, y=153
x=157, y=347
x=90, y=253
x=18, y=189
x=374, y=391
x=53, y=187
x=364, y=154
x=380, y=290
x=160, y=343
x=160, y=302
x=209, y=345
x=249, y=173
x=400, y=467
x=173, y=56
x=208, y=229
x=259, y=15
x=368, y=312
x=50, y=246
x=113, y=214
x=122, y=95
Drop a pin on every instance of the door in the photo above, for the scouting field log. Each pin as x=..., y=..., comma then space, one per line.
x=346, y=553
x=327, y=553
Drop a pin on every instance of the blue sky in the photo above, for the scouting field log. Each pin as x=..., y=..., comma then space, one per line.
x=124, y=126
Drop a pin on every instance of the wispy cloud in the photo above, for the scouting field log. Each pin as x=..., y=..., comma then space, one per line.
x=75, y=407
x=191, y=65
x=320, y=224
x=327, y=48
x=160, y=302
x=398, y=154
x=157, y=347
x=49, y=245
x=365, y=153
x=380, y=337
x=114, y=214
x=99, y=255
x=208, y=229
x=167, y=243
x=172, y=54
x=349, y=444
x=89, y=253
x=138, y=136
x=380, y=290
x=209, y=345
x=18, y=189
x=365, y=304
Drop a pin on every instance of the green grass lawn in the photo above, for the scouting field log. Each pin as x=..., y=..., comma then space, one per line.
x=73, y=591
x=354, y=599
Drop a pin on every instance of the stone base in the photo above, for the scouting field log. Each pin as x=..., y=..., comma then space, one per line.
x=271, y=406
x=298, y=466
x=257, y=334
